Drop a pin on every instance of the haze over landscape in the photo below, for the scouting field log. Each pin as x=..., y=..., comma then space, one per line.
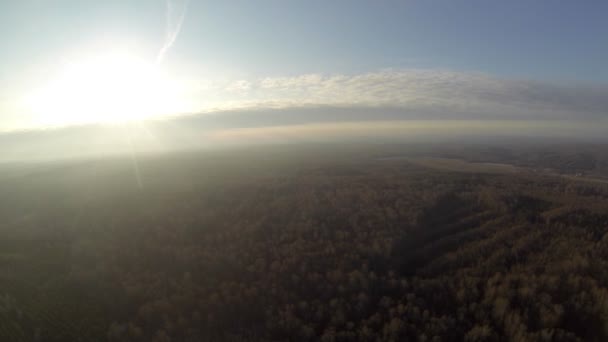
x=236, y=69
x=192, y=170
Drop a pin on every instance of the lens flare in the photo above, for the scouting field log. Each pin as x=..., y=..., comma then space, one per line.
x=112, y=87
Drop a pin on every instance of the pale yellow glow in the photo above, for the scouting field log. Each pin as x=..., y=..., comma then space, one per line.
x=109, y=87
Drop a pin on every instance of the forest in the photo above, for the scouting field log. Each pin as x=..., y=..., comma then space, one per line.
x=302, y=244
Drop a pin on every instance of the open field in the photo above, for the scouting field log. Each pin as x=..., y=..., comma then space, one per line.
x=459, y=165
x=450, y=164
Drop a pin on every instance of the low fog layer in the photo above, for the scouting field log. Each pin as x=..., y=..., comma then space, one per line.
x=209, y=131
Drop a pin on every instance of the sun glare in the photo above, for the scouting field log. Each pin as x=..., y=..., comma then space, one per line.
x=112, y=87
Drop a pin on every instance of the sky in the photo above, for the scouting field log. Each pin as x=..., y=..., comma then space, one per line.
x=72, y=62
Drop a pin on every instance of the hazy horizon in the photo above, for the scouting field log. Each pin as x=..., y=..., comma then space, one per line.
x=291, y=69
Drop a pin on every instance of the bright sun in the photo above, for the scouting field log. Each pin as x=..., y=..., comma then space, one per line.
x=111, y=87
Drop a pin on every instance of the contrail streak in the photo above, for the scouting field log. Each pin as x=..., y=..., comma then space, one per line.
x=173, y=29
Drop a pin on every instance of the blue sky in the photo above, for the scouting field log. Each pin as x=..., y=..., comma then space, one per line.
x=226, y=49
x=535, y=39
x=563, y=40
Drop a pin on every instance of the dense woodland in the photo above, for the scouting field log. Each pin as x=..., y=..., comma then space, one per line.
x=250, y=248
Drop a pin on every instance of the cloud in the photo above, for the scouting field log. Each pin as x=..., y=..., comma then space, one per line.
x=389, y=104
x=240, y=85
x=436, y=94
